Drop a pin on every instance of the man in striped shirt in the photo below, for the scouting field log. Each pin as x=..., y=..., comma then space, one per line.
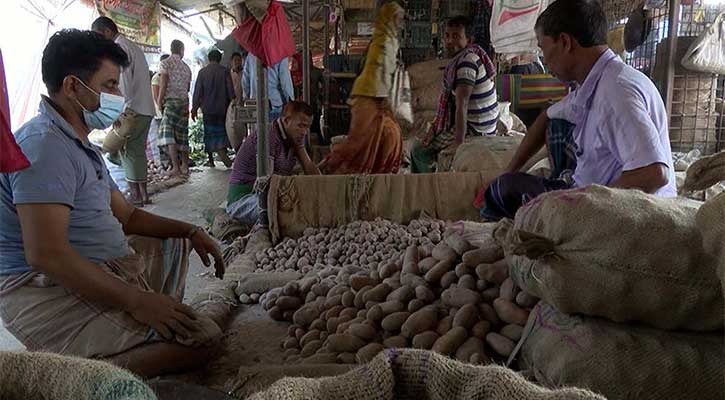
x=286, y=148
x=468, y=105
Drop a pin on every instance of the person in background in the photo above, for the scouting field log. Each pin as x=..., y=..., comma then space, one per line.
x=136, y=88
x=70, y=282
x=236, y=73
x=279, y=84
x=468, y=105
x=286, y=148
x=174, y=102
x=374, y=143
x=213, y=92
x=156, y=88
x=620, y=137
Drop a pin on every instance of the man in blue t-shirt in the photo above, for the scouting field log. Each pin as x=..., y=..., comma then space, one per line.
x=70, y=281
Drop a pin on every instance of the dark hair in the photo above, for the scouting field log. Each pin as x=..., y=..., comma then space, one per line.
x=177, y=46
x=460, y=21
x=163, y=57
x=298, y=107
x=215, y=55
x=79, y=53
x=237, y=54
x=104, y=22
x=584, y=20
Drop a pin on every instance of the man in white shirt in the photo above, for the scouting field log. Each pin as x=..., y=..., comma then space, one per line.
x=135, y=85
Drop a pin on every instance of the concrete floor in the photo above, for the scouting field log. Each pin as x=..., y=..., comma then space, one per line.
x=207, y=188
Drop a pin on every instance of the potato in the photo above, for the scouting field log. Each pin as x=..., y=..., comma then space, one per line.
x=463, y=269
x=444, y=325
x=359, y=297
x=526, y=300
x=487, y=313
x=350, y=313
x=451, y=341
x=392, y=306
x=290, y=343
x=480, y=329
x=363, y=330
x=344, y=343
x=420, y=321
x=491, y=294
x=362, y=313
x=291, y=352
x=306, y=285
x=509, y=290
x=299, y=332
x=292, y=329
x=388, y=269
x=415, y=305
x=332, y=324
x=333, y=301
x=494, y=273
x=276, y=313
x=378, y=293
x=425, y=340
x=318, y=324
x=483, y=255
x=410, y=261
x=436, y=273
x=458, y=244
x=358, y=282
x=458, y=297
x=426, y=264
x=442, y=252
x=448, y=279
x=471, y=346
x=394, y=321
x=424, y=293
x=332, y=312
x=403, y=294
x=346, y=358
x=245, y=299
x=512, y=332
x=481, y=285
x=368, y=352
x=395, y=341
x=311, y=348
x=466, y=316
x=468, y=282
x=510, y=313
x=309, y=336
x=479, y=359
x=288, y=303
x=426, y=250
x=500, y=344
x=412, y=280
x=376, y=313
x=348, y=299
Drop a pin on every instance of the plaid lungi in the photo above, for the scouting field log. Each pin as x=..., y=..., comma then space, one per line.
x=215, y=132
x=174, y=127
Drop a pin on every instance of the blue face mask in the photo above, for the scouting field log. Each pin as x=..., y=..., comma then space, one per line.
x=111, y=107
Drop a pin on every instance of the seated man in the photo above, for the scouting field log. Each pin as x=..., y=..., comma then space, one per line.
x=468, y=105
x=286, y=147
x=620, y=138
x=70, y=281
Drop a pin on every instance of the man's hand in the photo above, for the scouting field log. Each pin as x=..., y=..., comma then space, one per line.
x=164, y=314
x=194, y=114
x=204, y=245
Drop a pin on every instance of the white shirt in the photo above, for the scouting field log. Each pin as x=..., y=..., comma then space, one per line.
x=135, y=80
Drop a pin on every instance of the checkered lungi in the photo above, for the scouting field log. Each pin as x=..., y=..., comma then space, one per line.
x=174, y=127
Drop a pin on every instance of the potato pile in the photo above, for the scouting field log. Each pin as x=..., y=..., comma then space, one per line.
x=448, y=297
x=156, y=173
x=359, y=244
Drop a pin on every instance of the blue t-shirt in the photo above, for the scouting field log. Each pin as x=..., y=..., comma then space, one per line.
x=63, y=170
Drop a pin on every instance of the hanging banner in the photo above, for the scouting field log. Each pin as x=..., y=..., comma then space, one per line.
x=138, y=20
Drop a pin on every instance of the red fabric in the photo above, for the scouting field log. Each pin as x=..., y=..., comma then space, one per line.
x=269, y=41
x=11, y=157
x=296, y=72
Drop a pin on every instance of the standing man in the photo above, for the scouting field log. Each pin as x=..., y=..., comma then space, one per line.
x=174, y=101
x=468, y=105
x=135, y=85
x=236, y=72
x=620, y=137
x=280, y=89
x=213, y=92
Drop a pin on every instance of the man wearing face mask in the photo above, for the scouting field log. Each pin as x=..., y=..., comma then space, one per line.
x=71, y=282
x=620, y=138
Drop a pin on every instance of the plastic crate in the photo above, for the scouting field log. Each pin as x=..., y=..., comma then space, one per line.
x=454, y=8
x=413, y=56
x=342, y=63
x=420, y=35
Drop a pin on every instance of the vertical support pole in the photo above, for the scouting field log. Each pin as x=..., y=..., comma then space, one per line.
x=326, y=89
x=672, y=25
x=262, y=137
x=306, y=61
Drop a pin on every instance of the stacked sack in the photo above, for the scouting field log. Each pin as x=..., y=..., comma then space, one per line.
x=633, y=269
x=426, y=83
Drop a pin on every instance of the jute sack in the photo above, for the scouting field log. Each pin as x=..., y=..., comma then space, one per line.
x=51, y=376
x=621, y=361
x=426, y=97
x=236, y=129
x=251, y=380
x=704, y=173
x=711, y=223
x=487, y=154
x=418, y=374
x=425, y=73
x=619, y=254
x=298, y=202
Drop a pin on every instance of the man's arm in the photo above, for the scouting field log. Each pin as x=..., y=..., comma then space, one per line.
x=463, y=95
x=162, y=89
x=155, y=90
x=534, y=140
x=647, y=179
x=139, y=222
x=47, y=249
x=307, y=165
x=198, y=96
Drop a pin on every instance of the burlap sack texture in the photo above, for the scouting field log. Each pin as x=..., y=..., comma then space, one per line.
x=252, y=380
x=418, y=374
x=704, y=173
x=489, y=155
x=298, y=202
x=620, y=361
x=50, y=376
x=619, y=254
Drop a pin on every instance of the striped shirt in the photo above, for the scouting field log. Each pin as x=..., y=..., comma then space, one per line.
x=282, y=157
x=482, y=105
